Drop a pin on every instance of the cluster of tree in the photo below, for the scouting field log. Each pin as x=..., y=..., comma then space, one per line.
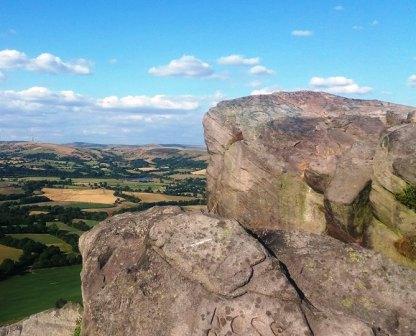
x=33, y=185
x=29, y=187
x=35, y=255
x=68, y=214
x=187, y=187
x=138, y=163
x=10, y=197
x=80, y=225
x=11, y=216
x=128, y=197
x=180, y=162
x=145, y=206
x=68, y=237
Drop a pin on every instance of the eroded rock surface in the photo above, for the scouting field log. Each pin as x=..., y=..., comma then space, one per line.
x=314, y=162
x=167, y=272
x=56, y=322
x=345, y=279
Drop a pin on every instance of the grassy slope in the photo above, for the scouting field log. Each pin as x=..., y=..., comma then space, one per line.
x=90, y=222
x=46, y=239
x=21, y=296
x=66, y=227
x=7, y=252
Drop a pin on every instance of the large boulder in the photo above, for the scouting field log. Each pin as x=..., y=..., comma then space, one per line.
x=306, y=161
x=169, y=272
x=56, y=322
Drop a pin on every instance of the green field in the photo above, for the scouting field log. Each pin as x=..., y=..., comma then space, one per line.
x=7, y=252
x=112, y=182
x=11, y=190
x=91, y=223
x=82, y=205
x=66, y=227
x=23, y=295
x=46, y=239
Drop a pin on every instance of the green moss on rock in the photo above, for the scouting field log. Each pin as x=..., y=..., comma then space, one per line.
x=406, y=246
x=408, y=197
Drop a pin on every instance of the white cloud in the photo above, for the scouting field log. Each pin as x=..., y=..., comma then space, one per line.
x=302, y=33
x=43, y=100
x=53, y=64
x=338, y=84
x=40, y=99
x=235, y=59
x=375, y=23
x=412, y=80
x=339, y=8
x=265, y=90
x=67, y=116
x=357, y=27
x=186, y=66
x=13, y=59
x=260, y=70
x=112, y=60
x=158, y=102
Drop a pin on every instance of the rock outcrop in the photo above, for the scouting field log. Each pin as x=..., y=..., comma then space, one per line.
x=169, y=272
x=298, y=183
x=52, y=322
x=314, y=162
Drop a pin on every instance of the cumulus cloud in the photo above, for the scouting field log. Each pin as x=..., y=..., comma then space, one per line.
x=43, y=100
x=40, y=99
x=11, y=59
x=339, y=8
x=185, y=66
x=302, y=33
x=260, y=70
x=412, y=80
x=357, y=27
x=158, y=102
x=338, y=84
x=265, y=90
x=235, y=59
x=66, y=116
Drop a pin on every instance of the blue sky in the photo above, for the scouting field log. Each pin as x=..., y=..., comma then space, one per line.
x=145, y=71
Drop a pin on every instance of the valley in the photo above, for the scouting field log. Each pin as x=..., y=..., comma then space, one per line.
x=51, y=194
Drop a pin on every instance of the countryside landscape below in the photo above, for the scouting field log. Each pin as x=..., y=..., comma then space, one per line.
x=50, y=194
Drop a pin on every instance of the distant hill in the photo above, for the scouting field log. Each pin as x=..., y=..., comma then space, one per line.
x=24, y=158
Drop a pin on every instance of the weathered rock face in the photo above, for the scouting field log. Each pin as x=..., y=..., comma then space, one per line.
x=314, y=162
x=167, y=272
x=345, y=279
x=56, y=322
